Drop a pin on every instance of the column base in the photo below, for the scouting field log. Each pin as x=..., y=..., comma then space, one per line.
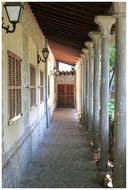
x=96, y=156
x=91, y=146
x=104, y=178
x=103, y=164
x=81, y=119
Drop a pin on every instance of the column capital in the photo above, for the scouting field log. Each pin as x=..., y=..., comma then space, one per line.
x=80, y=60
x=105, y=23
x=95, y=36
x=85, y=50
x=119, y=9
x=89, y=44
x=82, y=55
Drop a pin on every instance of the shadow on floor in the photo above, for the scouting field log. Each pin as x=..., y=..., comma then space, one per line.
x=63, y=159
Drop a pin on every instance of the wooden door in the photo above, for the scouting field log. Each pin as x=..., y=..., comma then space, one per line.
x=65, y=94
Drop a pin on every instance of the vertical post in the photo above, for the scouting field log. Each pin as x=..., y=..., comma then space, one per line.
x=82, y=89
x=46, y=88
x=105, y=23
x=91, y=60
x=46, y=93
x=76, y=84
x=87, y=99
x=96, y=38
x=79, y=87
x=120, y=97
x=85, y=102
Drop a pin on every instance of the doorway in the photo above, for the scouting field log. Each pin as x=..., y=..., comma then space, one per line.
x=65, y=95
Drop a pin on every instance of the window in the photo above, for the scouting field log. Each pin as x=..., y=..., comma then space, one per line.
x=32, y=86
x=41, y=86
x=14, y=86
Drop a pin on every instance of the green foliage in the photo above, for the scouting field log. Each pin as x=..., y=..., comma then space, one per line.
x=111, y=109
x=111, y=56
x=111, y=66
x=111, y=127
x=112, y=101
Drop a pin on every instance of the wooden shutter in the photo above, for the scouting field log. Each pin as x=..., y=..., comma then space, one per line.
x=65, y=95
x=32, y=86
x=14, y=86
x=41, y=86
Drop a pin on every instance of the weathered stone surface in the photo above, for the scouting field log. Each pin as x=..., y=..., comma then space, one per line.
x=16, y=166
x=63, y=159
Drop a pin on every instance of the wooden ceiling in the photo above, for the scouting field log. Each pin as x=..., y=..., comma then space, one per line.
x=67, y=24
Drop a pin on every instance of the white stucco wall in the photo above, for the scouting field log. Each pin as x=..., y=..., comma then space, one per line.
x=25, y=42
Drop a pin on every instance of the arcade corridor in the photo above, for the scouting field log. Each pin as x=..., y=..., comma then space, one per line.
x=63, y=159
x=43, y=146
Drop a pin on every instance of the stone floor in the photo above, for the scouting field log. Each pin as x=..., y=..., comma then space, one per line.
x=63, y=159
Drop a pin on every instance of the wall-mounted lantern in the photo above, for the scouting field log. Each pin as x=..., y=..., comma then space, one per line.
x=45, y=53
x=40, y=59
x=14, y=12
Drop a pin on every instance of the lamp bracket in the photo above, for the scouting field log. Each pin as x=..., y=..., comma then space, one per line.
x=7, y=27
x=40, y=59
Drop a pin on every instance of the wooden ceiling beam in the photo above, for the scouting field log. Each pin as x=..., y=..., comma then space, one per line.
x=58, y=17
x=71, y=24
x=65, y=32
x=66, y=40
x=64, y=48
x=65, y=59
x=73, y=46
x=65, y=43
x=73, y=8
x=65, y=15
x=61, y=26
x=70, y=10
x=67, y=56
x=72, y=37
x=98, y=7
x=66, y=25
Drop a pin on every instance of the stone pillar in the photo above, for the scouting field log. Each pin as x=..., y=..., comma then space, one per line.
x=85, y=51
x=89, y=45
x=96, y=38
x=83, y=88
x=120, y=97
x=76, y=84
x=87, y=100
x=78, y=89
x=105, y=23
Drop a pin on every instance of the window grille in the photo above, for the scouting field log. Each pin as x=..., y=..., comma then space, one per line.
x=32, y=86
x=14, y=86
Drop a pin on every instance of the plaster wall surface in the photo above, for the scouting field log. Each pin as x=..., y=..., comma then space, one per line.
x=20, y=140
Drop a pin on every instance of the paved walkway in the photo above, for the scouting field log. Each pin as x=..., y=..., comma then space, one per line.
x=63, y=159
